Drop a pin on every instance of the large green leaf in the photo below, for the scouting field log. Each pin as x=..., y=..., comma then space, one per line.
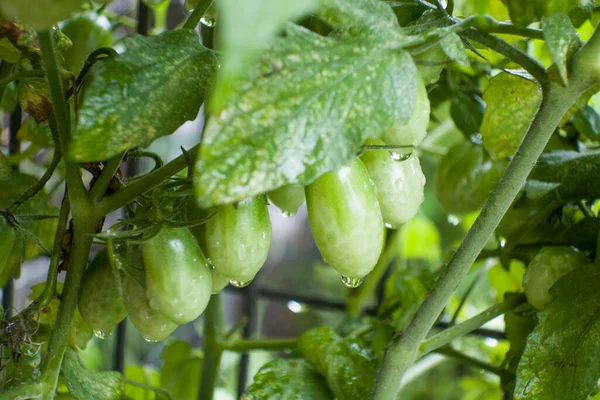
x=180, y=371
x=148, y=91
x=512, y=102
x=561, y=39
x=245, y=28
x=562, y=357
x=347, y=366
x=85, y=384
x=287, y=380
x=524, y=12
x=303, y=111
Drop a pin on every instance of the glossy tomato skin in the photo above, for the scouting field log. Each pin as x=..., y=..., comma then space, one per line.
x=8, y=237
x=238, y=238
x=178, y=278
x=400, y=185
x=100, y=301
x=413, y=132
x=153, y=325
x=465, y=178
x=88, y=31
x=219, y=282
x=288, y=198
x=345, y=219
x=546, y=268
x=38, y=14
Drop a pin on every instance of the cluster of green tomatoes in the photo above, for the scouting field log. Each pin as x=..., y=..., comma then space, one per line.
x=167, y=280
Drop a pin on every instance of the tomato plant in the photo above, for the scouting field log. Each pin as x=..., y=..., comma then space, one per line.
x=441, y=157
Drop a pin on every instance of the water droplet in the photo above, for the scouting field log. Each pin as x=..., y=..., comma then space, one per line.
x=286, y=214
x=400, y=156
x=453, y=219
x=209, y=22
x=239, y=284
x=150, y=340
x=388, y=225
x=351, y=282
x=100, y=334
x=296, y=307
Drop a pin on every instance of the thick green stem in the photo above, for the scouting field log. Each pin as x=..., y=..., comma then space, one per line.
x=144, y=184
x=448, y=335
x=403, y=349
x=108, y=172
x=246, y=345
x=212, y=350
x=355, y=302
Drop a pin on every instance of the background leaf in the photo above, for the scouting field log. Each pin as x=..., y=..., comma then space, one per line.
x=305, y=110
x=150, y=90
x=84, y=384
x=512, y=102
x=287, y=380
x=561, y=39
x=562, y=356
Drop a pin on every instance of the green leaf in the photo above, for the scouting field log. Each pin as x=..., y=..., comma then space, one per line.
x=246, y=27
x=84, y=384
x=467, y=112
x=148, y=91
x=562, y=41
x=81, y=332
x=524, y=12
x=519, y=323
x=452, y=46
x=361, y=17
x=504, y=281
x=8, y=52
x=305, y=110
x=9, y=100
x=33, y=132
x=180, y=371
x=287, y=380
x=34, y=98
x=141, y=374
x=587, y=122
x=562, y=357
x=509, y=98
x=347, y=365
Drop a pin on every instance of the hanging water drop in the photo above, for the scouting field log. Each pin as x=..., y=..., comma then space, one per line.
x=150, y=340
x=400, y=156
x=453, y=219
x=239, y=284
x=209, y=22
x=351, y=282
x=100, y=334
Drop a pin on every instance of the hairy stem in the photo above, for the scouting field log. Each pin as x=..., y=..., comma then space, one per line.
x=403, y=349
x=108, y=172
x=448, y=335
x=245, y=345
x=213, y=329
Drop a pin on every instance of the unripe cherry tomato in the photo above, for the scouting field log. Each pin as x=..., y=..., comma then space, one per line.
x=413, y=132
x=178, y=278
x=345, y=219
x=100, y=301
x=465, y=178
x=399, y=184
x=546, y=268
x=238, y=238
x=288, y=198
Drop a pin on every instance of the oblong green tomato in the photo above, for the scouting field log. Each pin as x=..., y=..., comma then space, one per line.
x=430, y=64
x=288, y=198
x=345, y=219
x=7, y=240
x=178, y=278
x=413, y=132
x=465, y=178
x=238, y=238
x=400, y=185
x=546, y=268
x=100, y=301
x=153, y=325
x=38, y=14
x=88, y=31
x=219, y=281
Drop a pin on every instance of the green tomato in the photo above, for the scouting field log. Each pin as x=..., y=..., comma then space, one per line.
x=88, y=31
x=178, y=278
x=238, y=238
x=400, y=185
x=288, y=198
x=153, y=325
x=39, y=14
x=413, y=132
x=219, y=281
x=430, y=63
x=8, y=237
x=465, y=178
x=546, y=268
x=345, y=219
x=100, y=301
